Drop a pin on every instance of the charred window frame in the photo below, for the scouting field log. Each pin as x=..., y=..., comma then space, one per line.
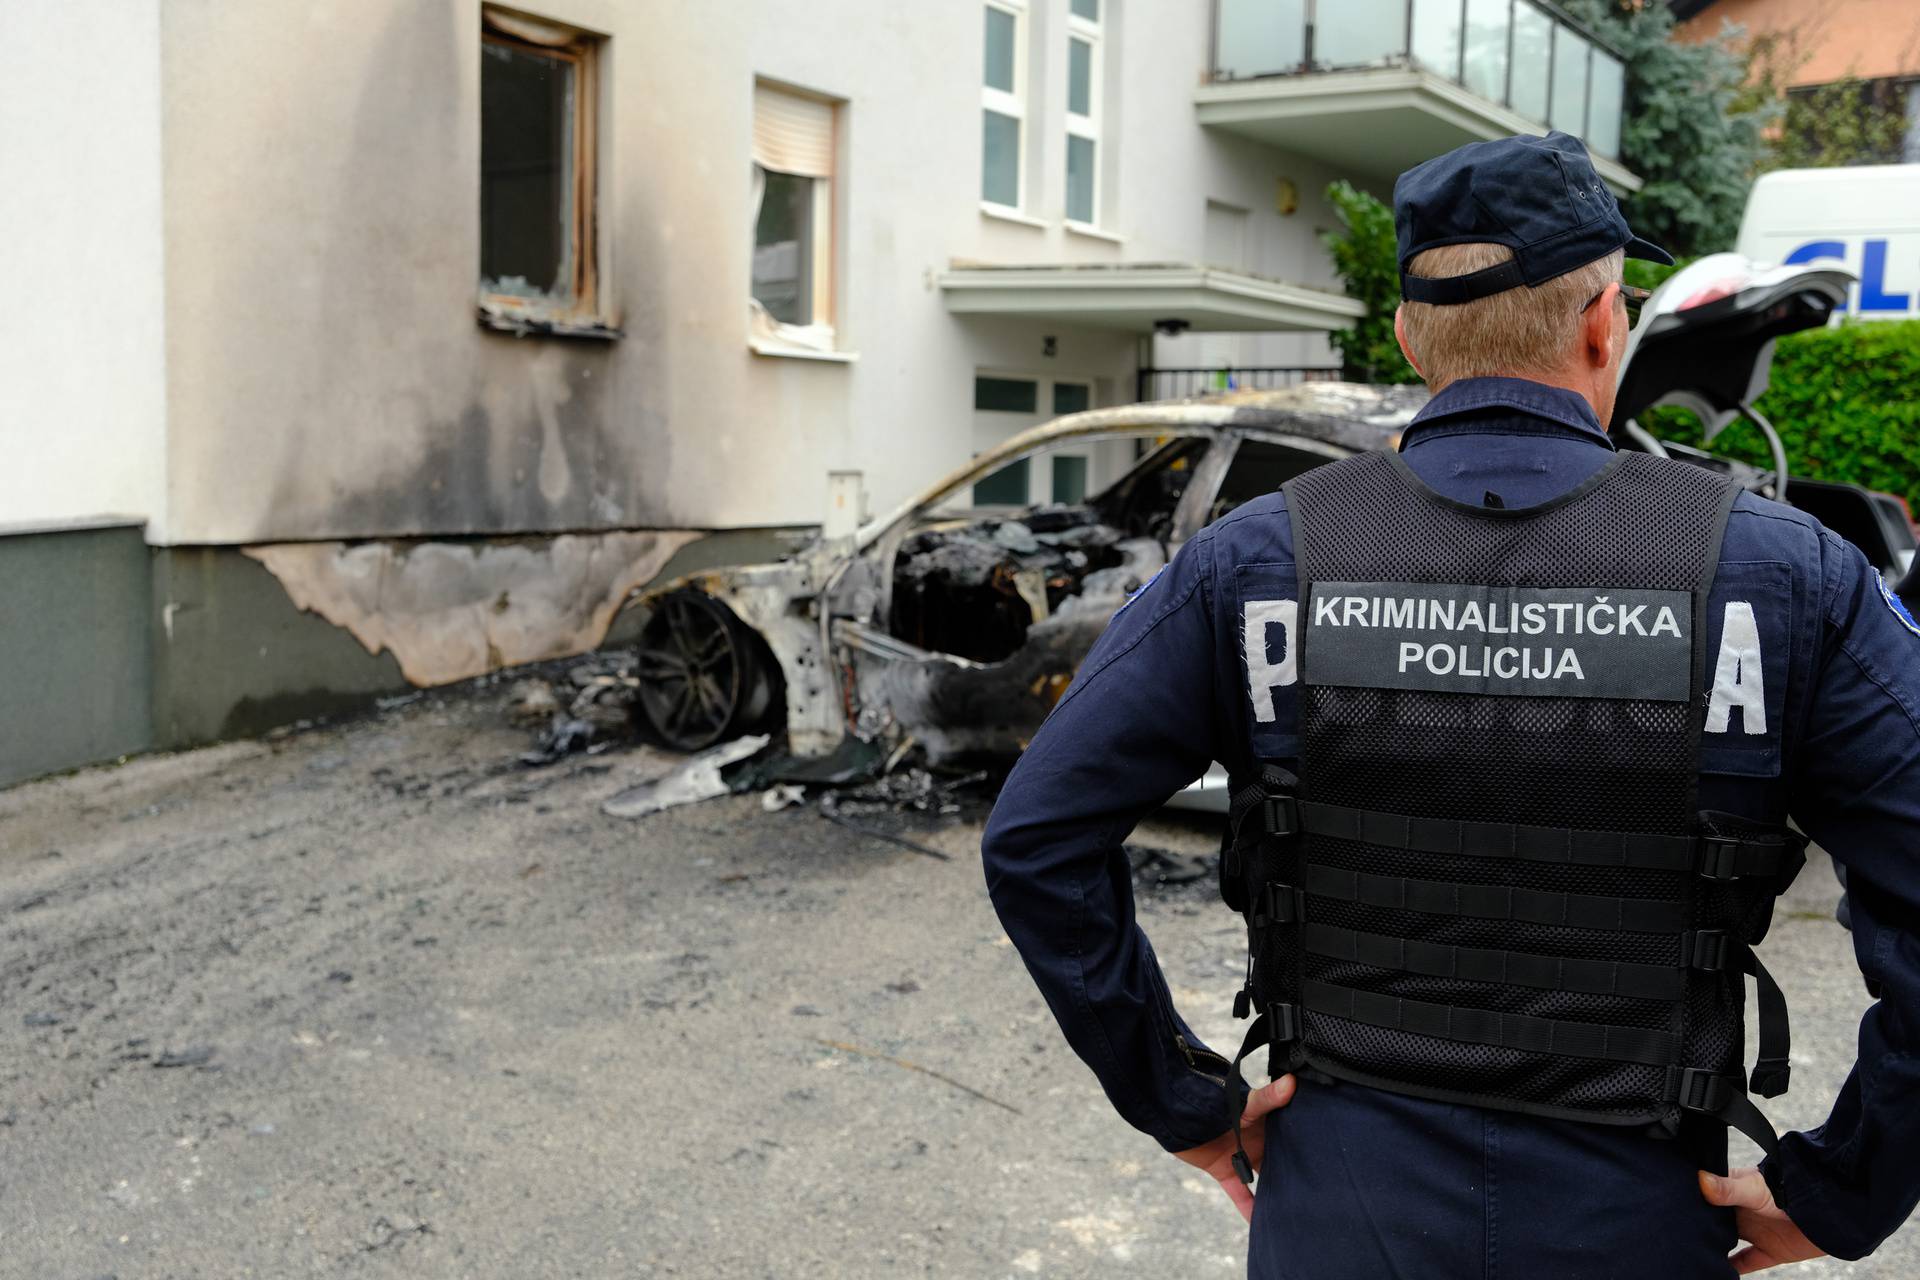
x=794, y=205
x=539, y=177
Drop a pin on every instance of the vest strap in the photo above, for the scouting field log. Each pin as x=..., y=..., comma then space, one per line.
x=1513, y=968
x=1713, y=856
x=1237, y=1093
x=1773, y=1066
x=1486, y=1026
x=1498, y=902
x=1724, y=1098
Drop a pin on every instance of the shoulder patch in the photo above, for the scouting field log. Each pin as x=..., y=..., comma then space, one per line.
x=1141, y=589
x=1896, y=604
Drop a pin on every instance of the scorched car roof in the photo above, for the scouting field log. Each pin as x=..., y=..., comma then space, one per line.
x=1347, y=416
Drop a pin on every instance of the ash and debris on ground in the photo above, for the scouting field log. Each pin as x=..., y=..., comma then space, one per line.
x=875, y=789
x=590, y=707
x=878, y=786
x=374, y=999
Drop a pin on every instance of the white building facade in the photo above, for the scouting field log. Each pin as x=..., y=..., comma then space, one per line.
x=604, y=276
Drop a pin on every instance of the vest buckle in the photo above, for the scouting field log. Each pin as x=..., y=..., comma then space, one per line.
x=1704, y=949
x=1280, y=816
x=1283, y=1023
x=1695, y=1089
x=1719, y=857
x=1279, y=904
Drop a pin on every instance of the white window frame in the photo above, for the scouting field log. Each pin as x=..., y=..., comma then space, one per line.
x=1040, y=462
x=1012, y=104
x=1088, y=126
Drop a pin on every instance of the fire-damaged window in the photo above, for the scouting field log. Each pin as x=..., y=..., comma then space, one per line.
x=791, y=311
x=538, y=108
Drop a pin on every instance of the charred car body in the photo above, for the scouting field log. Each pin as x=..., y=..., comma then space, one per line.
x=958, y=629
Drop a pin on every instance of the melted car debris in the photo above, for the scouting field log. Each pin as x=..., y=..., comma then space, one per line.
x=590, y=711
x=703, y=777
x=974, y=590
x=880, y=790
x=855, y=781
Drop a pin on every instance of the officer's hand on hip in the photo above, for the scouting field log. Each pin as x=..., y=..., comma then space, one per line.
x=1216, y=1157
x=1771, y=1237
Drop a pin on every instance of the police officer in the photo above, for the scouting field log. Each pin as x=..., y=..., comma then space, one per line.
x=1516, y=723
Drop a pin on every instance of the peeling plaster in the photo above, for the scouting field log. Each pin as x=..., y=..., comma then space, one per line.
x=449, y=611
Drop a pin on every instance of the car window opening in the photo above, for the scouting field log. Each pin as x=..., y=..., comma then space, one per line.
x=979, y=588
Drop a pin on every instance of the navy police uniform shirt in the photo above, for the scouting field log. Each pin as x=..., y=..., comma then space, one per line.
x=1813, y=712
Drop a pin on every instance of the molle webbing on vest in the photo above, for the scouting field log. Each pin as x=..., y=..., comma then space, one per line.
x=1492, y=883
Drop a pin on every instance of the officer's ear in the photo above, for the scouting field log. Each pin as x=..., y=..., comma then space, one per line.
x=1400, y=336
x=1597, y=328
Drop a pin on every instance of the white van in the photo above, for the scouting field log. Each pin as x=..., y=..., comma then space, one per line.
x=1867, y=217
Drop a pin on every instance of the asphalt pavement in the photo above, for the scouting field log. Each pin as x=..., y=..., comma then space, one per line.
x=375, y=1000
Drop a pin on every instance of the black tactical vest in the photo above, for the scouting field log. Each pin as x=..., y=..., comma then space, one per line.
x=1490, y=882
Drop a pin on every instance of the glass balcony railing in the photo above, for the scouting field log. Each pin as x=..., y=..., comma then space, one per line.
x=1526, y=55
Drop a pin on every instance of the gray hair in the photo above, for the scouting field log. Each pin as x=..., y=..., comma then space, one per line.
x=1515, y=332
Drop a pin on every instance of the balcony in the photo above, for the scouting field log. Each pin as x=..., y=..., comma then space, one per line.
x=1145, y=297
x=1374, y=87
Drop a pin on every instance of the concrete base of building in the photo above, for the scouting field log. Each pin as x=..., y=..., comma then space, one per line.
x=115, y=648
x=75, y=685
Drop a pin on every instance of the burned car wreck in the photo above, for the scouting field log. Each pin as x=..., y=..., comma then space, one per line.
x=954, y=629
x=958, y=628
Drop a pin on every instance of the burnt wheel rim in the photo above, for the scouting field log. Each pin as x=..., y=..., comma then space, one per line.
x=690, y=671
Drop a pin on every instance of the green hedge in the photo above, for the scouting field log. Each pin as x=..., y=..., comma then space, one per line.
x=1846, y=402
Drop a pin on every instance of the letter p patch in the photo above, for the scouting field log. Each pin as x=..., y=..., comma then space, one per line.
x=1263, y=674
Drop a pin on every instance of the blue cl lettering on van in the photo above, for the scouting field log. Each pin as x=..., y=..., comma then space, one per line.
x=1873, y=280
x=1873, y=271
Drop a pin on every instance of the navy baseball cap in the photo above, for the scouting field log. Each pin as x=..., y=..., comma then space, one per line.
x=1538, y=196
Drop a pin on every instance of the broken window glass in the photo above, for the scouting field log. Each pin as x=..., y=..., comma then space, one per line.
x=782, y=248
x=527, y=107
